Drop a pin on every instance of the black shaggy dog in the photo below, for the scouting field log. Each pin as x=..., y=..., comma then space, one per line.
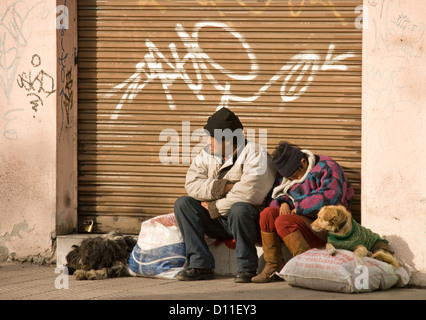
x=101, y=257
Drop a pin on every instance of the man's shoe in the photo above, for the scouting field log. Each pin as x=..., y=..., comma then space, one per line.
x=244, y=276
x=192, y=274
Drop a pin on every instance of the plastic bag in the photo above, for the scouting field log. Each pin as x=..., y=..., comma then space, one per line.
x=316, y=269
x=160, y=250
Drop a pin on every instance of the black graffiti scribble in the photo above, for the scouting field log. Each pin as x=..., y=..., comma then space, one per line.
x=39, y=87
x=15, y=31
x=66, y=94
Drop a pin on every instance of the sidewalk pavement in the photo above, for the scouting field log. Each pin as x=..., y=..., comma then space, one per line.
x=25, y=281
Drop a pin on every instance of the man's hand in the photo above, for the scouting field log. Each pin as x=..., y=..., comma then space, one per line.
x=228, y=187
x=205, y=204
x=213, y=212
x=285, y=209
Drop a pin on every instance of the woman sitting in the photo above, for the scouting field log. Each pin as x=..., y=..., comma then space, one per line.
x=307, y=182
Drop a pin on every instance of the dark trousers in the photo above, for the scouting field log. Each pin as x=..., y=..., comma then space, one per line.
x=241, y=223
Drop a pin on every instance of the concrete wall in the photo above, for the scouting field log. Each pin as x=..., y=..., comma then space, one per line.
x=394, y=127
x=31, y=181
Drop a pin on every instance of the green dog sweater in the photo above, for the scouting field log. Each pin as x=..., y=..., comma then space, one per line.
x=359, y=235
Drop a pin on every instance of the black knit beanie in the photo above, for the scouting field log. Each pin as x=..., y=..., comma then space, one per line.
x=223, y=119
x=288, y=161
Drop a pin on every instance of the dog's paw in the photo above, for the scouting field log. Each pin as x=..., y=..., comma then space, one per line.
x=91, y=275
x=386, y=257
x=358, y=260
x=102, y=274
x=330, y=249
x=80, y=275
x=97, y=274
x=332, y=252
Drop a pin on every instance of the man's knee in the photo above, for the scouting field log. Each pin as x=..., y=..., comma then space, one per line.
x=182, y=202
x=242, y=210
x=243, y=215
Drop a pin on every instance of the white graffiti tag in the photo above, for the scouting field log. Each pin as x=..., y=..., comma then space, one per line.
x=296, y=74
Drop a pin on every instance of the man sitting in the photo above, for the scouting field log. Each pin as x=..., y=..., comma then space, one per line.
x=226, y=183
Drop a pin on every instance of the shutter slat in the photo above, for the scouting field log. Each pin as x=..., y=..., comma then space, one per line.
x=291, y=69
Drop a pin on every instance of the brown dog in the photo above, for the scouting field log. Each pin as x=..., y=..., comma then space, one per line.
x=345, y=233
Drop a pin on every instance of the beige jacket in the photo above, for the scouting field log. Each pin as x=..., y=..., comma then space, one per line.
x=252, y=174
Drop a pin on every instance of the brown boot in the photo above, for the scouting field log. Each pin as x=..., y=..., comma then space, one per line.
x=273, y=257
x=296, y=243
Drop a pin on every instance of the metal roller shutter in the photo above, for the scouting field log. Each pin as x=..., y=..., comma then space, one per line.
x=290, y=67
